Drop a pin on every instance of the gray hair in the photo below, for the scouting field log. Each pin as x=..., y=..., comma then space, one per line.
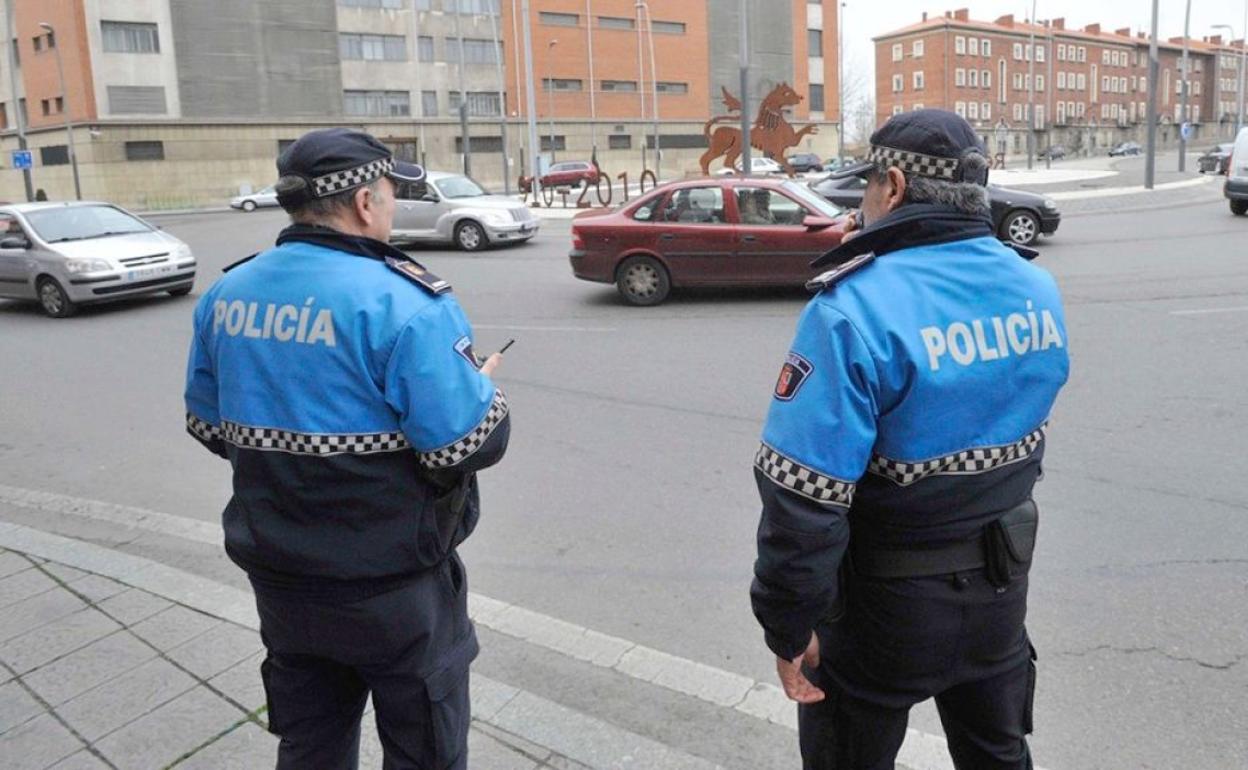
x=318, y=210
x=966, y=197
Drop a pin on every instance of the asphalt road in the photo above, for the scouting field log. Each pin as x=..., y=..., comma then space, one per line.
x=626, y=503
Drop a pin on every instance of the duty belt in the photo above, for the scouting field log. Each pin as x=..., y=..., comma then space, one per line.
x=1003, y=550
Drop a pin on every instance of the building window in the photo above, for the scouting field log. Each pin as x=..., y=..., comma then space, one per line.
x=972, y=78
x=145, y=150
x=615, y=22
x=1061, y=52
x=560, y=142
x=129, y=37
x=429, y=103
x=897, y=54
x=959, y=45
x=1104, y=57
x=476, y=51
x=619, y=142
x=985, y=111
x=1083, y=82
x=1018, y=112
x=472, y=7
x=668, y=27
x=985, y=47
x=972, y=46
x=559, y=19
x=136, y=100
x=1039, y=82
x=896, y=109
x=1018, y=52
x=899, y=84
x=381, y=104
x=918, y=81
x=54, y=155
x=1083, y=54
x=972, y=111
x=917, y=48
x=371, y=3
x=481, y=104
x=959, y=77
x=985, y=79
x=1061, y=81
x=960, y=109
x=480, y=144
x=671, y=87
x=1001, y=80
x=619, y=85
x=424, y=48
x=814, y=42
x=372, y=47
x=1040, y=53
x=1018, y=81
x=816, y=97
x=917, y=106
x=561, y=84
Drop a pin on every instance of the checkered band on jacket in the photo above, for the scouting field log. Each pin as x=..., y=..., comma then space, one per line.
x=320, y=444
x=455, y=453
x=806, y=482
x=204, y=431
x=351, y=177
x=967, y=462
x=914, y=162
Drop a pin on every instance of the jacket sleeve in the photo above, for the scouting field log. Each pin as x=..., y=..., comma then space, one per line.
x=816, y=445
x=203, y=418
x=452, y=413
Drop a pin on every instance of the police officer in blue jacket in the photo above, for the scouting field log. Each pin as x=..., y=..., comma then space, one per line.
x=897, y=463
x=338, y=378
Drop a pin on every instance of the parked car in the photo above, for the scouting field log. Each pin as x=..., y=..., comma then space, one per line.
x=1053, y=152
x=1216, y=159
x=454, y=209
x=1125, y=148
x=805, y=162
x=65, y=255
x=1019, y=216
x=760, y=166
x=568, y=173
x=1236, y=187
x=722, y=232
x=265, y=197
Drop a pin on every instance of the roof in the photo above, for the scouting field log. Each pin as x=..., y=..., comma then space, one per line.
x=26, y=208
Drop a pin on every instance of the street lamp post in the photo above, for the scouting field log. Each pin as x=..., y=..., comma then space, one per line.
x=69, y=125
x=1153, y=70
x=550, y=95
x=641, y=6
x=840, y=86
x=1031, y=90
x=1187, y=20
x=1243, y=56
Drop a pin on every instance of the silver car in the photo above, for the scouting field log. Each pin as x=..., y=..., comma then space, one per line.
x=64, y=255
x=454, y=209
x=265, y=197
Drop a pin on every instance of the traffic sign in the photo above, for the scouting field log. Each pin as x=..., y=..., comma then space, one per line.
x=1187, y=129
x=23, y=159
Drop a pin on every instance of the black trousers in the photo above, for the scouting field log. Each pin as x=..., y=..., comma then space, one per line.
x=410, y=648
x=954, y=638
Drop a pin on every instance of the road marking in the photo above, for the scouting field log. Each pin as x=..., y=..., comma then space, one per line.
x=762, y=700
x=517, y=328
x=1110, y=192
x=1211, y=311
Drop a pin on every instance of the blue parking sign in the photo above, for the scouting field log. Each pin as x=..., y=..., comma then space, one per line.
x=23, y=159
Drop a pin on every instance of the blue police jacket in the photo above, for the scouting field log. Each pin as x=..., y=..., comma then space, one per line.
x=338, y=378
x=910, y=410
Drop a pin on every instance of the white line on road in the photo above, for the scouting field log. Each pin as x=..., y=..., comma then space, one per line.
x=517, y=328
x=761, y=700
x=1211, y=311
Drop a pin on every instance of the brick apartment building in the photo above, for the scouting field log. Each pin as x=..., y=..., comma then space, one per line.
x=1081, y=88
x=180, y=102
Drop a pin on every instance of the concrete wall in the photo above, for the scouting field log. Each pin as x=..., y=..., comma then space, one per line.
x=248, y=59
x=133, y=69
x=771, y=49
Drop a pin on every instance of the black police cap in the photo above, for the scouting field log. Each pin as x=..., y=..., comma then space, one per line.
x=929, y=143
x=329, y=161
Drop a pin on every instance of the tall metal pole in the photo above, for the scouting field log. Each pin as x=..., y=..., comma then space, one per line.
x=515, y=36
x=69, y=125
x=550, y=94
x=1187, y=20
x=1048, y=97
x=496, y=10
x=840, y=86
x=1031, y=91
x=420, y=79
x=11, y=44
x=654, y=87
x=593, y=105
x=641, y=86
x=1150, y=160
x=744, y=56
x=463, y=97
x=1243, y=59
x=530, y=100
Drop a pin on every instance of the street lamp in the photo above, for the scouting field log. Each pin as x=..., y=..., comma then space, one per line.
x=1243, y=56
x=1031, y=89
x=69, y=126
x=641, y=6
x=550, y=95
x=840, y=85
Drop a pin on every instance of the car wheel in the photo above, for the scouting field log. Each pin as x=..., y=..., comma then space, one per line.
x=469, y=236
x=249, y=206
x=180, y=292
x=1239, y=208
x=643, y=281
x=53, y=299
x=1021, y=227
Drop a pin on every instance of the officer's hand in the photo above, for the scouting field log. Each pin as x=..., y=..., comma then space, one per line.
x=853, y=225
x=795, y=683
x=491, y=364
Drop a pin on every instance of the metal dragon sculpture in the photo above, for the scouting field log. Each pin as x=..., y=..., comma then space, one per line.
x=770, y=133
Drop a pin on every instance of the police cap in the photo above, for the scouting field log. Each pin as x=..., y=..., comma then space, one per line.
x=928, y=143
x=330, y=161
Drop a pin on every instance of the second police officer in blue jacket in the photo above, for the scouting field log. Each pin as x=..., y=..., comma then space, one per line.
x=338, y=378
x=905, y=435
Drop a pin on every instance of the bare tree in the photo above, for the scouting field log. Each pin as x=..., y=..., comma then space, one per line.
x=859, y=96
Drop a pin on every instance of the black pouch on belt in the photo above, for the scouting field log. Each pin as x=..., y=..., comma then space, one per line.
x=1009, y=542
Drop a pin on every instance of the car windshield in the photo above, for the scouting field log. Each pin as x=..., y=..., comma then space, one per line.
x=811, y=200
x=80, y=223
x=266, y=191
x=459, y=187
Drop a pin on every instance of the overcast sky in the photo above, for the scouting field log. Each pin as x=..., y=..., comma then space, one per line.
x=867, y=18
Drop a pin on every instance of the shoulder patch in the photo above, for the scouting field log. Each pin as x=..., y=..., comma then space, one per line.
x=233, y=265
x=417, y=274
x=464, y=348
x=840, y=272
x=795, y=371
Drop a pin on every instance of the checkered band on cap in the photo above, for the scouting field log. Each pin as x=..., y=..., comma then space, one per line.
x=967, y=462
x=319, y=444
x=201, y=429
x=914, y=162
x=340, y=181
x=806, y=482
x=455, y=453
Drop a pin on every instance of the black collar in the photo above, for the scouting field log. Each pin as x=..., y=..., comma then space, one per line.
x=915, y=224
x=334, y=239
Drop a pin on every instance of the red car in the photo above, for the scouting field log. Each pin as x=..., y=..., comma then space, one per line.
x=570, y=173
x=706, y=232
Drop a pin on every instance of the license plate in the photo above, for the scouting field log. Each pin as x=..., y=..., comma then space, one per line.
x=148, y=272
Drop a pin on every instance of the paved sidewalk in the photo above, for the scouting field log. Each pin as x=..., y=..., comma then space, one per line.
x=97, y=674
